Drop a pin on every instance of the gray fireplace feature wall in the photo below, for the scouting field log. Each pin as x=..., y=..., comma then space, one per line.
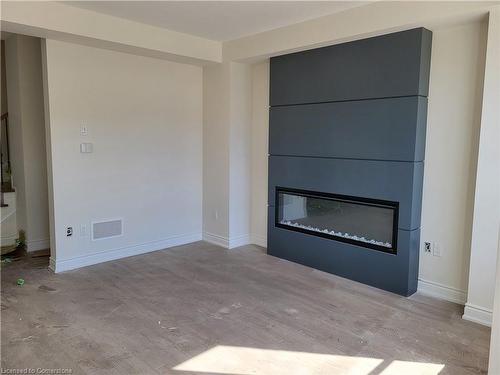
x=349, y=121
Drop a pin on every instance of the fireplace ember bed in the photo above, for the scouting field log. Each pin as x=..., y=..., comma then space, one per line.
x=365, y=222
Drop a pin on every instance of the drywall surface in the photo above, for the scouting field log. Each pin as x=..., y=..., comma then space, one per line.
x=144, y=119
x=56, y=20
x=494, y=365
x=216, y=112
x=3, y=89
x=451, y=151
x=227, y=114
x=260, y=147
x=376, y=18
x=240, y=154
x=453, y=123
x=492, y=95
x=48, y=147
x=484, y=246
x=27, y=138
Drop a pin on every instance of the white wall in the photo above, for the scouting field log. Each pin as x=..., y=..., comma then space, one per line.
x=484, y=247
x=240, y=154
x=56, y=20
x=375, y=18
x=491, y=97
x=144, y=118
x=27, y=138
x=494, y=365
x=227, y=118
x=216, y=112
x=451, y=151
x=260, y=147
x=453, y=123
x=3, y=84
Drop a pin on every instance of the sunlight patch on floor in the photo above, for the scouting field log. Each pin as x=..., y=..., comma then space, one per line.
x=248, y=361
x=413, y=368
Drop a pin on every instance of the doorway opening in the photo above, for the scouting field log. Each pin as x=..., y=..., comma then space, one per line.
x=24, y=186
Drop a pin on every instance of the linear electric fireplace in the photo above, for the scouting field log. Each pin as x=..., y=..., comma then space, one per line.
x=346, y=157
x=364, y=222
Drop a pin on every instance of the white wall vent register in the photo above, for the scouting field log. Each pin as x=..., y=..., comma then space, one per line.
x=107, y=229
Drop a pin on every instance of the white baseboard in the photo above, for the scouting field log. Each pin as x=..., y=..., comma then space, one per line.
x=216, y=239
x=259, y=240
x=35, y=245
x=225, y=242
x=52, y=264
x=478, y=314
x=87, y=260
x=230, y=243
x=472, y=313
x=238, y=241
x=437, y=290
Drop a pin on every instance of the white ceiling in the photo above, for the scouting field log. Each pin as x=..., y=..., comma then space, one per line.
x=217, y=20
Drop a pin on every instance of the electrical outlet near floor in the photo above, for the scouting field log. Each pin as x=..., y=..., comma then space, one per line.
x=428, y=247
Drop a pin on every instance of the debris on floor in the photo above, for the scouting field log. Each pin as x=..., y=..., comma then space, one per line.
x=20, y=282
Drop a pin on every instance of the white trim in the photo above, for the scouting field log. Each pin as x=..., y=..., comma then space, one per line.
x=35, y=245
x=216, y=239
x=52, y=264
x=259, y=240
x=478, y=314
x=437, y=290
x=105, y=256
x=238, y=241
x=225, y=242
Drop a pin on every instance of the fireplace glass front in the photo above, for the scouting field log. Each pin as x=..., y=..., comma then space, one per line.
x=361, y=221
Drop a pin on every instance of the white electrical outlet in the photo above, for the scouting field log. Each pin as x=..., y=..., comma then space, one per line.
x=216, y=215
x=84, y=130
x=436, y=249
x=83, y=230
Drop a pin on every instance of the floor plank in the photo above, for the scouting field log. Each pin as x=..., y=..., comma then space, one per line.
x=201, y=309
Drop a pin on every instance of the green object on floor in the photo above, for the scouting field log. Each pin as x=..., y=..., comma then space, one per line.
x=20, y=282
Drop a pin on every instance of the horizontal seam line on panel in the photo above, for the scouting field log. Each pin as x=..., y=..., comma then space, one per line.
x=347, y=100
x=330, y=157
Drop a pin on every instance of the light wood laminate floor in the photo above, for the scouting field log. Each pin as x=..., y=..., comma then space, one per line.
x=201, y=309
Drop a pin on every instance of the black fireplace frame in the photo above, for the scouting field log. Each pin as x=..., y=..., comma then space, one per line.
x=342, y=198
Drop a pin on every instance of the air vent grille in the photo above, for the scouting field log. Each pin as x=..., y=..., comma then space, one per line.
x=107, y=229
